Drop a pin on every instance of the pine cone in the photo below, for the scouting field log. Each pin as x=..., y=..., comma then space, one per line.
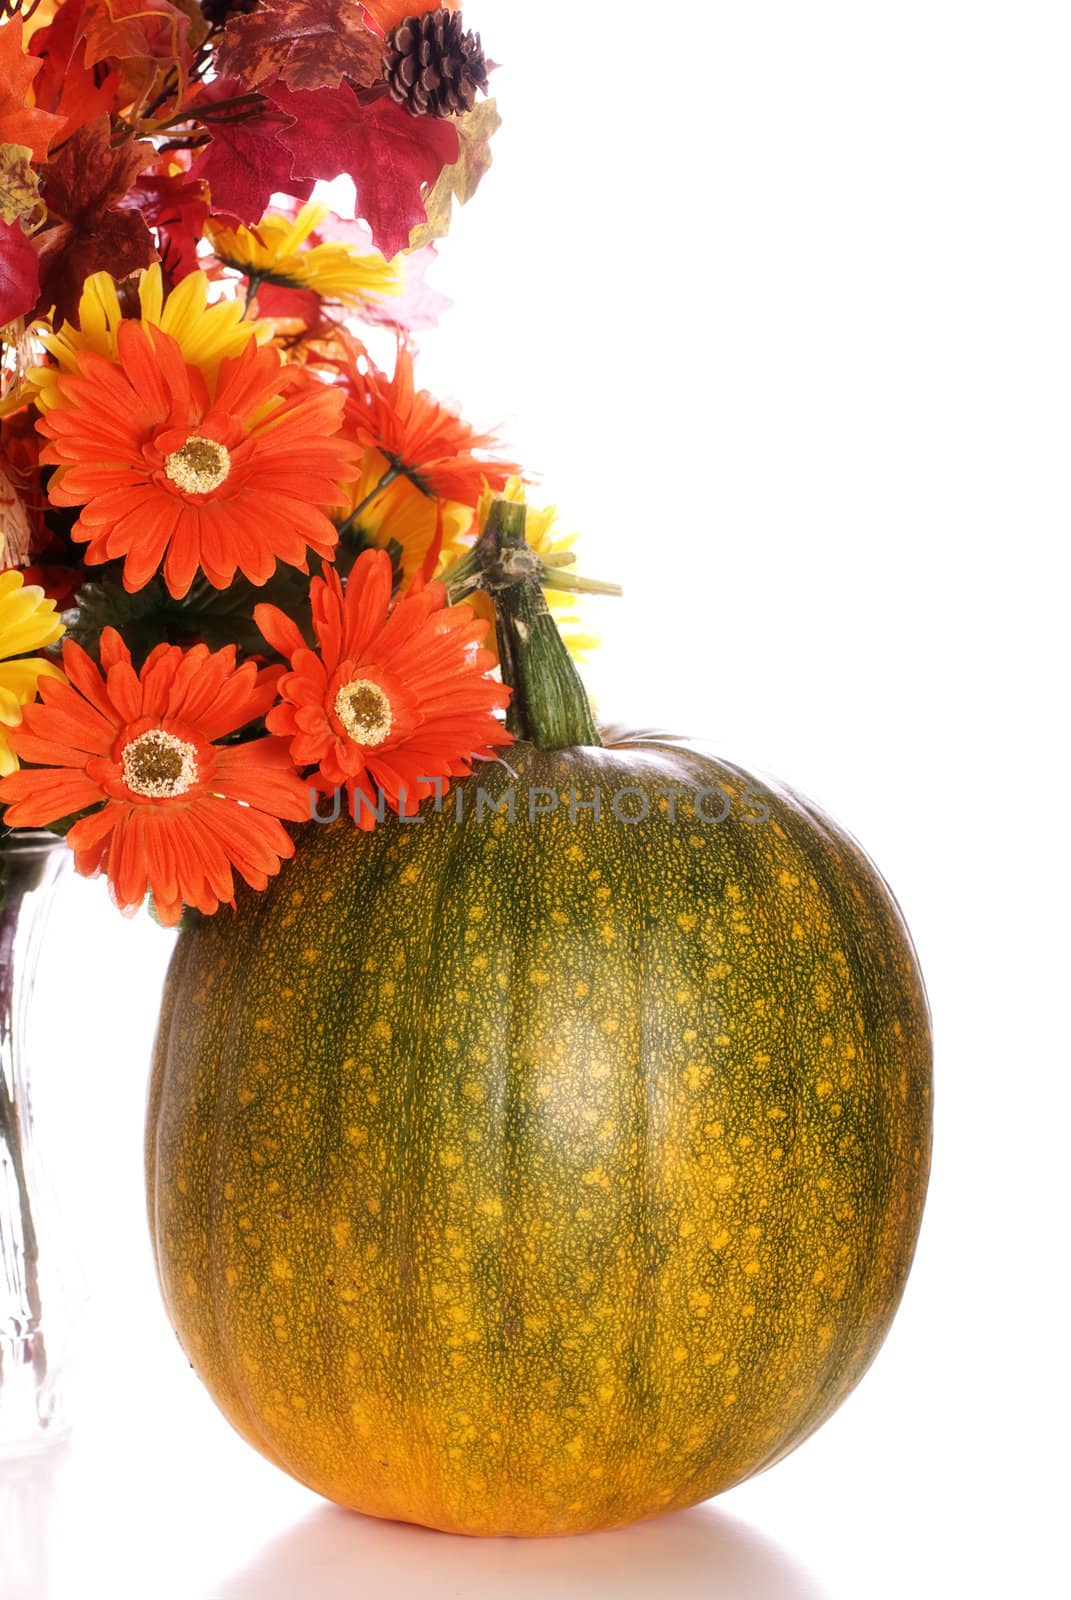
x=216, y=12
x=433, y=66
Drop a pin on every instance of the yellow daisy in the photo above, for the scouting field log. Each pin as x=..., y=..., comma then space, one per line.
x=541, y=531
x=277, y=251
x=28, y=621
x=206, y=334
x=401, y=515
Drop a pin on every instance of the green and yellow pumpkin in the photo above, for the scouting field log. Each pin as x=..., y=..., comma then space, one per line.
x=534, y=1176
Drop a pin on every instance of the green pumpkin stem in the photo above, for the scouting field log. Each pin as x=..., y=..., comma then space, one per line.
x=550, y=706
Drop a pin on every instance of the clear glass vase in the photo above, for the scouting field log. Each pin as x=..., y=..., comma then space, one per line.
x=34, y=1309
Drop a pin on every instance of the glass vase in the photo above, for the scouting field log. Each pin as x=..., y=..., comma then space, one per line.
x=34, y=1312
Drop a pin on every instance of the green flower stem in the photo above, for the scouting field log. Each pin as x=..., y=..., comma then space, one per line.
x=384, y=483
x=553, y=576
x=237, y=109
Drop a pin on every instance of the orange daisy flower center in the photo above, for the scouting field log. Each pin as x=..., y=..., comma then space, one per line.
x=159, y=765
x=364, y=711
x=200, y=466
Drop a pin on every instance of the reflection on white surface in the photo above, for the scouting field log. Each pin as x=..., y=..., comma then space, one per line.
x=27, y=1491
x=333, y=1555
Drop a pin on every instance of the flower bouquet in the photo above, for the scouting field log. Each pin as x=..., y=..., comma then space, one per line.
x=539, y=1120
x=199, y=450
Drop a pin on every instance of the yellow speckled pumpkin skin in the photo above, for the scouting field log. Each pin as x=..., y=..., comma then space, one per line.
x=535, y=1178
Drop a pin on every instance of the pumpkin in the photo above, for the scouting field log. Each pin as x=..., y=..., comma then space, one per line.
x=533, y=1175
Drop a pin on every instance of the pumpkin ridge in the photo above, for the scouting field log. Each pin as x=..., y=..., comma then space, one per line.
x=412, y=1158
x=869, y=989
x=332, y=1105
x=154, y=1124
x=512, y=1125
x=645, y=1412
x=223, y=1093
x=646, y=1198
x=240, y=1413
x=742, y=863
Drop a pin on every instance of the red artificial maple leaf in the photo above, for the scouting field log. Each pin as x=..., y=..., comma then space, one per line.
x=244, y=165
x=391, y=156
x=176, y=206
x=66, y=85
x=387, y=14
x=18, y=273
x=87, y=232
x=302, y=306
x=19, y=123
x=54, y=561
x=306, y=44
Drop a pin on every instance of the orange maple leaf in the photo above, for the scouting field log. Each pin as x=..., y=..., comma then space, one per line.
x=150, y=30
x=387, y=14
x=21, y=123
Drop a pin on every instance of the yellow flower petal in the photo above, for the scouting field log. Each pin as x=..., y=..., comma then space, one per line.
x=9, y=761
x=28, y=621
x=18, y=684
x=276, y=251
x=207, y=334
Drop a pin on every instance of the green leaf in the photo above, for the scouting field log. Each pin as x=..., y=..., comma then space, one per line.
x=215, y=617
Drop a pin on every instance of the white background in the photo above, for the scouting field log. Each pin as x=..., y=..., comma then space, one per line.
x=775, y=298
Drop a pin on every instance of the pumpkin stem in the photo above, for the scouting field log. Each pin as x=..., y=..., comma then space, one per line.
x=550, y=706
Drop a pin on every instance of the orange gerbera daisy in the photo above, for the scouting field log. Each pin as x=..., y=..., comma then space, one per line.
x=398, y=699
x=170, y=471
x=173, y=811
x=421, y=439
